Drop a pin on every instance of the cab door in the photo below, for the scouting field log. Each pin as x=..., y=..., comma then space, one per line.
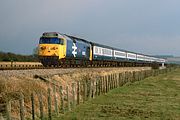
x=62, y=48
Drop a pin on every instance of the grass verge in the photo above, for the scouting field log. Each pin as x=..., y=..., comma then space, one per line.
x=152, y=98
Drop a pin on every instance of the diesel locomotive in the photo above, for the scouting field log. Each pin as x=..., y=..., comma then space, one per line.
x=56, y=49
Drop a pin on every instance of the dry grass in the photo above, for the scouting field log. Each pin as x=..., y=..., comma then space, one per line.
x=11, y=84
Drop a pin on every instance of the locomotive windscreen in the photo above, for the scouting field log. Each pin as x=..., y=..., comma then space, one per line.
x=50, y=41
x=50, y=34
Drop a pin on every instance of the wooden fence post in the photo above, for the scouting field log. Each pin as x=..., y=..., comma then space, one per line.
x=117, y=84
x=99, y=87
x=125, y=77
x=96, y=82
x=41, y=106
x=104, y=85
x=122, y=79
x=107, y=84
x=93, y=88
x=142, y=75
x=90, y=89
x=21, y=103
x=62, y=99
x=8, y=109
x=133, y=76
x=111, y=84
x=128, y=76
x=106, y=80
x=106, y=89
x=33, y=108
x=101, y=83
x=55, y=100
x=114, y=81
x=119, y=79
x=84, y=91
x=73, y=94
x=49, y=105
x=68, y=101
x=78, y=92
x=137, y=76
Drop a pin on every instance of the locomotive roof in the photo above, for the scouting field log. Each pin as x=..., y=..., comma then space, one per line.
x=76, y=38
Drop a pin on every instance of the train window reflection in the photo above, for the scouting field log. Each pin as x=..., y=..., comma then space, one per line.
x=50, y=41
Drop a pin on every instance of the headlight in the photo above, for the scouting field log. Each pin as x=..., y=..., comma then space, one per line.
x=54, y=48
x=43, y=48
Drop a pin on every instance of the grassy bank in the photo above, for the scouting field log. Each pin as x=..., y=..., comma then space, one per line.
x=152, y=98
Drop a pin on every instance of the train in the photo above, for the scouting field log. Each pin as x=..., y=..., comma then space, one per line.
x=61, y=50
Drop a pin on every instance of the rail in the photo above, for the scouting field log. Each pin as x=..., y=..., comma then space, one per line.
x=38, y=65
x=20, y=65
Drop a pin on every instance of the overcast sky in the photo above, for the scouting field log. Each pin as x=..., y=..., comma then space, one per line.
x=145, y=26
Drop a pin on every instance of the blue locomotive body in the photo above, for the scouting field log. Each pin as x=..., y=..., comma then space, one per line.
x=77, y=49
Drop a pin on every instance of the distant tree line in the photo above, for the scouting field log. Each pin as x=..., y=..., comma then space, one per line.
x=16, y=57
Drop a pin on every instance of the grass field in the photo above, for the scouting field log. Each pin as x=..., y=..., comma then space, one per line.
x=152, y=98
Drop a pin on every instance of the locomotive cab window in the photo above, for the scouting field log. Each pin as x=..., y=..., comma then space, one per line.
x=61, y=41
x=44, y=40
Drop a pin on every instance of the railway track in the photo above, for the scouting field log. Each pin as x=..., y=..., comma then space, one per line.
x=29, y=65
x=20, y=65
x=34, y=65
x=38, y=65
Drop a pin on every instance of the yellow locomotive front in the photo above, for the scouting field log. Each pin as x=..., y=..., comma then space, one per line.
x=52, y=48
